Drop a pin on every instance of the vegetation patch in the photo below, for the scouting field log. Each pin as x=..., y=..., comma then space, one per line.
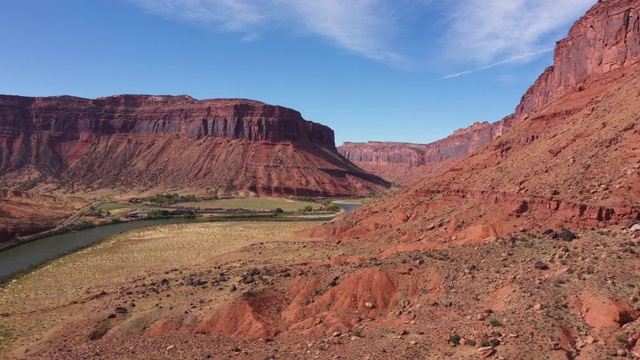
x=7, y=336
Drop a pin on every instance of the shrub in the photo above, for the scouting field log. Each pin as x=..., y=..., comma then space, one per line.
x=455, y=339
x=495, y=322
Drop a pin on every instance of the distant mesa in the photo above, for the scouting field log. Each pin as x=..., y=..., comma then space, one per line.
x=404, y=163
x=136, y=143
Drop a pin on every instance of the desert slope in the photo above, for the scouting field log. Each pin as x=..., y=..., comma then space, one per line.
x=137, y=143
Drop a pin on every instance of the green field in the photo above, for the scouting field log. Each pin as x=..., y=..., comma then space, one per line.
x=251, y=204
x=114, y=206
x=248, y=204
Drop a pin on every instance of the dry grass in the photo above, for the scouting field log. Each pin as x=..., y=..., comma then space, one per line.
x=62, y=287
x=149, y=250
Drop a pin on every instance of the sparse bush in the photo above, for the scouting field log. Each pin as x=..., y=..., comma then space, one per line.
x=495, y=322
x=455, y=339
x=485, y=343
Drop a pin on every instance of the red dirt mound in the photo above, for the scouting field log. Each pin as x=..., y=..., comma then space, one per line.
x=600, y=312
x=252, y=316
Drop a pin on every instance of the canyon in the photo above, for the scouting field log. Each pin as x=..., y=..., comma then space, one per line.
x=579, y=142
x=524, y=247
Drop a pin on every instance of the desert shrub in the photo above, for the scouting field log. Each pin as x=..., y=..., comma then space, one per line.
x=455, y=339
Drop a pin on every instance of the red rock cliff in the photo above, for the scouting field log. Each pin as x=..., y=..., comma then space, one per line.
x=459, y=144
x=405, y=162
x=605, y=39
x=172, y=142
x=143, y=114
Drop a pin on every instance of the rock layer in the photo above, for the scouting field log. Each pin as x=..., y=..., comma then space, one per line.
x=146, y=142
x=405, y=162
x=605, y=39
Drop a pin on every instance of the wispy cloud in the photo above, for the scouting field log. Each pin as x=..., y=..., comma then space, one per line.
x=477, y=33
x=360, y=26
x=518, y=58
x=485, y=31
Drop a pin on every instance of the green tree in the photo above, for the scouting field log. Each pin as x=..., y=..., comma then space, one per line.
x=331, y=206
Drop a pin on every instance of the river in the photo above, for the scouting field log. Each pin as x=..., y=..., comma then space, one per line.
x=39, y=251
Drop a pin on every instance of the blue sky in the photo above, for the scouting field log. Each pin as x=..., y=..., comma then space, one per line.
x=386, y=70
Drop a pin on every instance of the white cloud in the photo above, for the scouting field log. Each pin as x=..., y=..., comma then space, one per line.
x=228, y=15
x=360, y=26
x=476, y=33
x=485, y=31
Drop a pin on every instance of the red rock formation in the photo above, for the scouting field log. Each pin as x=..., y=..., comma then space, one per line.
x=607, y=38
x=140, y=142
x=405, y=162
x=572, y=159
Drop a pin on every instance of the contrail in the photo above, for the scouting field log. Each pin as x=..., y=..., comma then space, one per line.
x=509, y=60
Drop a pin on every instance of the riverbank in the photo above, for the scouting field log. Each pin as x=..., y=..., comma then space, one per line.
x=26, y=257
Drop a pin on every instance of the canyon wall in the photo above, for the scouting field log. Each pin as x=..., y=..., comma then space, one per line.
x=144, y=142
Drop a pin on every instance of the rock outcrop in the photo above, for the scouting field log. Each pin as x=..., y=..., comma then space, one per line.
x=140, y=143
x=570, y=156
x=405, y=162
x=606, y=39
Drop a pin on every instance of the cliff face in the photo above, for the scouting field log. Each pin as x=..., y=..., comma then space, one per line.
x=569, y=158
x=405, y=162
x=156, y=142
x=606, y=39
x=140, y=114
x=460, y=144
